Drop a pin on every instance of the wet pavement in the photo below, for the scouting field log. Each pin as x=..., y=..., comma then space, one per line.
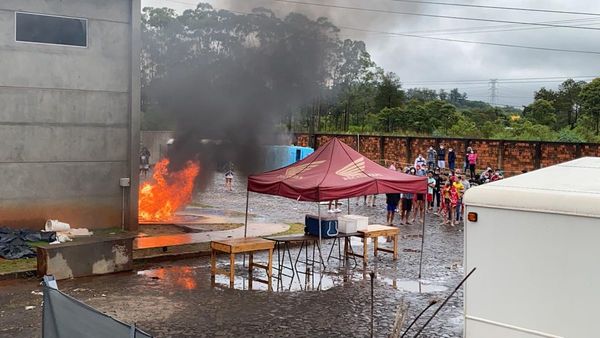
x=176, y=299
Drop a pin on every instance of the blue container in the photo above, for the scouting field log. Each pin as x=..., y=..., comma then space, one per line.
x=328, y=226
x=281, y=156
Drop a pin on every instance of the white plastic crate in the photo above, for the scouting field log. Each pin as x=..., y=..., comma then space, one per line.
x=352, y=223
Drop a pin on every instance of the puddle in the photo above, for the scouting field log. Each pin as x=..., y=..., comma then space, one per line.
x=415, y=286
x=180, y=277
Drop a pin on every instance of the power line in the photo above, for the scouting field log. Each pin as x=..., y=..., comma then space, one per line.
x=535, y=79
x=499, y=7
x=483, y=30
x=462, y=30
x=468, y=30
x=445, y=39
x=374, y=10
x=548, y=49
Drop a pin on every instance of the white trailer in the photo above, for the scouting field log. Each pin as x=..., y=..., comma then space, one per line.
x=536, y=247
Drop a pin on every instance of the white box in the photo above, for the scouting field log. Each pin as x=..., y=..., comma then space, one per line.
x=352, y=223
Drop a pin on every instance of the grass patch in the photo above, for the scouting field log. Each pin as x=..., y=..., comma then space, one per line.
x=295, y=229
x=107, y=231
x=16, y=265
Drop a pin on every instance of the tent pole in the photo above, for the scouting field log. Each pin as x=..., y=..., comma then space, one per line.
x=320, y=235
x=422, y=244
x=246, y=223
x=246, y=218
x=348, y=206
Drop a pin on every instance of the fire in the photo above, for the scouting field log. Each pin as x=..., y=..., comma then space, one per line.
x=167, y=192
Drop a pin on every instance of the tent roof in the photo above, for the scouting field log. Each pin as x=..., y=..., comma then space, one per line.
x=570, y=188
x=334, y=171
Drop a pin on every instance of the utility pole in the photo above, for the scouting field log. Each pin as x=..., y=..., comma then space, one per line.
x=493, y=92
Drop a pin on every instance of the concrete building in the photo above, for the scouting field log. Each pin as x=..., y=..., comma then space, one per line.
x=69, y=112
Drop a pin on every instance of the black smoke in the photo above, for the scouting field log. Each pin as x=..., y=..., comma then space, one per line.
x=232, y=89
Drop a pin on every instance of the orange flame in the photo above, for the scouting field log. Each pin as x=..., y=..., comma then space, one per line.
x=168, y=192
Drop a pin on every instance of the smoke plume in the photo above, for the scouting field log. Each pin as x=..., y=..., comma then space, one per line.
x=228, y=90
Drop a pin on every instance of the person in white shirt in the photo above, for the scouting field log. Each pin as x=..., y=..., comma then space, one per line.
x=420, y=161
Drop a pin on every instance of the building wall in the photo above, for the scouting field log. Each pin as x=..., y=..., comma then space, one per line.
x=511, y=156
x=68, y=116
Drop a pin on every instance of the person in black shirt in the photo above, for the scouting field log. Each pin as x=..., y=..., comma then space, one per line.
x=441, y=153
x=392, y=201
x=451, y=158
x=437, y=189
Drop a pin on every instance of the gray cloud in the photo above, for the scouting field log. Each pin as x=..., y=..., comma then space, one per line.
x=418, y=60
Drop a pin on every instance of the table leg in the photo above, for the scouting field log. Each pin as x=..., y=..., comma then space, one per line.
x=395, y=240
x=365, y=251
x=250, y=262
x=231, y=269
x=213, y=263
x=346, y=240
x=270, y=268
x=375, y=245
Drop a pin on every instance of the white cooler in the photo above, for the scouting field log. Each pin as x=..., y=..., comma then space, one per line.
x=352, y=223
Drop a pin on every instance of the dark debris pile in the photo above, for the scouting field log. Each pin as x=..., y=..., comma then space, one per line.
x=13, y=243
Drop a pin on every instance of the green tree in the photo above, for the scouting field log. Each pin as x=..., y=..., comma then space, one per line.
x=590, y=103
x=389, y=92
x=464, y=127
x=541, y=112
x=567, y=134
x=421, y=94
x=526, y=130
x=440, y=114
x=457, y=98
x=568, y=103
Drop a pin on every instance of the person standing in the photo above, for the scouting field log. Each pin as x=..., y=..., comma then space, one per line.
x=466, y=165
x=431, y=158
x=407, y=202
x=392, y=201
x=460, y=190
x=451, y=158
x=407, y=199
x=437, y=190
x=453, y=204
x=431, y=182
x=229, y=180
x=144, y=161
x=420, y=161
x=441, y=153
x=392, y=166
x=420, y=201
x=472, y=158
x=446, y=211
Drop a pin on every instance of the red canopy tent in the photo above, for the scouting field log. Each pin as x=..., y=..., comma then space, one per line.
x=334, y=171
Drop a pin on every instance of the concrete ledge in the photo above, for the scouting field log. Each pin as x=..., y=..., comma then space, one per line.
x=87, y=256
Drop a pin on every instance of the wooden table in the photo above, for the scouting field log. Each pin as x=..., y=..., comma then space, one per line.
x=374, y=231
x=241, y=245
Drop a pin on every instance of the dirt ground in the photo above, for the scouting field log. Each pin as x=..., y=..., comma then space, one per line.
x=176, y=299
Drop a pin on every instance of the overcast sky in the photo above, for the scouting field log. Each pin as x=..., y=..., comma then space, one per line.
x=425, y=63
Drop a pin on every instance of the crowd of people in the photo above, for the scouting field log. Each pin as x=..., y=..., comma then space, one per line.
x=446, y=184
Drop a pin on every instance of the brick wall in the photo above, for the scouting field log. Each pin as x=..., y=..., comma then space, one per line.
x=518, y=156
x=370, y=146
x=511, y=156
x=556, y=153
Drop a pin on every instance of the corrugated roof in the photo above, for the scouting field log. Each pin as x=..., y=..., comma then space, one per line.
x=570, y=188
